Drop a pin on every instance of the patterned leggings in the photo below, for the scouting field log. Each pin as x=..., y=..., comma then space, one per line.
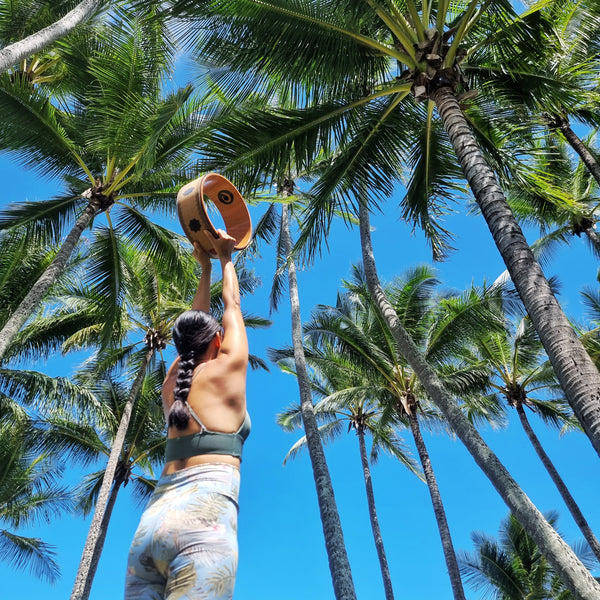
x=185, y=547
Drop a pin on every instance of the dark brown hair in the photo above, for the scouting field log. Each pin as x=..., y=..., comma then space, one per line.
x=192, y=333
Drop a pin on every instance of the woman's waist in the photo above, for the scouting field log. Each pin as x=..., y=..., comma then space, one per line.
x=219, y=477
x=178, y=465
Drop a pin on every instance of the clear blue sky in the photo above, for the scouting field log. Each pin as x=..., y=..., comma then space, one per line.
x=281, y=544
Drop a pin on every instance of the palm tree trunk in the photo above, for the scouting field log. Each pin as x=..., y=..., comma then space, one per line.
x=99, y=545
x=15, y=53
x=45, y=281
x=569, y=568
x=383, y=564
x=576, y=372
x=339, y=566
x=438, y=509
x=81, y=588
x=576, y=513
x=593, y=239
x=589, y=160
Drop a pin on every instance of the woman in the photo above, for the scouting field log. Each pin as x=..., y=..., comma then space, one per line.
x=186, y=544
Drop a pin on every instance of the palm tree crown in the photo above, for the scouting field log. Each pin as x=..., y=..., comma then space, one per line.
x=116, y=139
x=512, y=567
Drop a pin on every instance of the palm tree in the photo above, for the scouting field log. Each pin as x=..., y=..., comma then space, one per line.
x=352, y=339
x=362, y=104
x=142, y=448
x=274, y=225
x=105, y=500
x=519, y=374
x=119, y=144
x=512, y=567
x=338, y=407
x=334, y=538
x=16, y=52
x=29, y=492
x=570, y=570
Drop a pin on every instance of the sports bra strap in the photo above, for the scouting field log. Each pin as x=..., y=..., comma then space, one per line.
x=197, y=418
x=245, y=423
x=208, y=442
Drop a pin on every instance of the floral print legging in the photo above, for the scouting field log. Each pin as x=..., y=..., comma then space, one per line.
x=186, y=544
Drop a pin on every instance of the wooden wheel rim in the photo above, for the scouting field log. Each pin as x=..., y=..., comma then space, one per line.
x=193, y=215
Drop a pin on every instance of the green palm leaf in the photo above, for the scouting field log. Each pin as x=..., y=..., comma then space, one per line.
x=33, y=554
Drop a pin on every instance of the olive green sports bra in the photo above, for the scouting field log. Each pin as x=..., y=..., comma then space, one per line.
x=208, y=442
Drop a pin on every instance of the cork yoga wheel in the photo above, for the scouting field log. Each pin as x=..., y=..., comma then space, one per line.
x=192, y=209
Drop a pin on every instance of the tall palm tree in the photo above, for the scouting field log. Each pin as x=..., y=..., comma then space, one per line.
x=358, y=72
x=339, y=566
x=335, y=409
x=99, y=524
x=118, y=142
x=274, y=228
x=571, y=571
x=520, y=374
x=355, y=332
x=142, y=448
x=512, y=567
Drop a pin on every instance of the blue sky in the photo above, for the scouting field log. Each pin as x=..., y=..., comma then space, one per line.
x=281, y=544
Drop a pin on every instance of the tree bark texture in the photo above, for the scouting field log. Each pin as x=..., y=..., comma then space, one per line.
x=383, y=564
x=339, y=565
x=15, y=53
x=82, y=586
x=575, y=370
x=589, y=160
x=45, y=281
x=574, y=509
x=593, y=239
x=438, y=509
x=569, y=568
x=99, y=545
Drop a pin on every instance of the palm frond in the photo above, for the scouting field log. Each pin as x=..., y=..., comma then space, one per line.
x=327, y=432
x=32, y=554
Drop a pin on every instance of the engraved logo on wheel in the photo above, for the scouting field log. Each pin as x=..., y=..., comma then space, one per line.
x=225, y=197
x=195, y=225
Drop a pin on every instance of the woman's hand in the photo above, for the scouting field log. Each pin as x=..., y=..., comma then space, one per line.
x=223, y=245
x=201, y=255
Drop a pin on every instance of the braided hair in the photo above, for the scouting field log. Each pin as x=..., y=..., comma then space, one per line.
x=192, y=333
